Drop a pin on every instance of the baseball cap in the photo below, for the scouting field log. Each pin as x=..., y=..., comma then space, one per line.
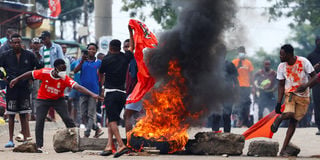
x=45, y=34
x=36, y=40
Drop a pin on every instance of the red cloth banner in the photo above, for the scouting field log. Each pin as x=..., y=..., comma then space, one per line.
x=55, y=7
x=143, y=38
x=263, y=127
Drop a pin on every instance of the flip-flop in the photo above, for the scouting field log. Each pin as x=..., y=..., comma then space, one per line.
x=106, y=153
x=118, y=154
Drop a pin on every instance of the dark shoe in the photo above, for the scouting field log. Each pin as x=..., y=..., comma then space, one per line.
x=98, y=133
x=39, y=150
x=87, y=133
x=284, y=154
x=120, y=153
x=106, y=153
x=318, y=133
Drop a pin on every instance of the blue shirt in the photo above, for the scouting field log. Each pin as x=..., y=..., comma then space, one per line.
x=73, y=65
x=89, y=75
x=55, y=53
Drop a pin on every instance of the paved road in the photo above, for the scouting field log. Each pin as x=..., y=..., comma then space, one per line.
x=305, y=138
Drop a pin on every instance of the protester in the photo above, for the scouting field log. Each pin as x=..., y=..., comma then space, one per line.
x=35, y=49
x=113, y=72
x=265, y=84
x=100, y=56
x=6, y=45
x=89, y=78
x=54, y=81
x=50, y=52
x=74, y=96
x=17, y=61
x=245, y=69
x=314, y=58
x=231, y=80
x=132, y=109
x=292, y=72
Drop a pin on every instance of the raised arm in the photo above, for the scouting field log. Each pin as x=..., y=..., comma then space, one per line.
x=26, y=75
x=87, y=92
x=79, y=66
x=131, y=41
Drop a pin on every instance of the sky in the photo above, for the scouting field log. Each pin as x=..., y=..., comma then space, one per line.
x=257, y=31
x=254, y=30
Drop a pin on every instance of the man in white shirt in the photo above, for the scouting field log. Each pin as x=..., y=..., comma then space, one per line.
x=292, y=72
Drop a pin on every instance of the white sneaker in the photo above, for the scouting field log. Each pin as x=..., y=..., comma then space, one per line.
x=82, y=126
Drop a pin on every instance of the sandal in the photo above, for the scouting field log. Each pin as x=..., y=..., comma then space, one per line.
x=106, y=153
x=19, y=138
x=98, y=133
x=10, y=144
x=120, y=153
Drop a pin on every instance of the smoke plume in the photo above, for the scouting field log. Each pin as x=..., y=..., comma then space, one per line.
x=193, y=43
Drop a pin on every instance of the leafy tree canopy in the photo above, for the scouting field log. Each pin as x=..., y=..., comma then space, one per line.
x=163, y=11
x=302, y=11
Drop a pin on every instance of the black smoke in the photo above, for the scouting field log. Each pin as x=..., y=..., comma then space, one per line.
x=193, y=42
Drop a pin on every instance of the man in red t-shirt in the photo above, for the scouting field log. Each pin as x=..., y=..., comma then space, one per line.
x=51, y=93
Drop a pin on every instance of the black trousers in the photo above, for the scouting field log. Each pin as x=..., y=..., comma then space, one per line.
x=266, y=100
x=226, y=115
x=316, y=101
x=244, y=106
x=42, y=110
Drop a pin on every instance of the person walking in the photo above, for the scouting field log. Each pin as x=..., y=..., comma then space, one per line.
x=113, y=76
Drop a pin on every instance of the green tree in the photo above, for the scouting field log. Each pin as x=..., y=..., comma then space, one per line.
x=302, y=11
x=163, y=11
x=306, y=21
x=304, y=35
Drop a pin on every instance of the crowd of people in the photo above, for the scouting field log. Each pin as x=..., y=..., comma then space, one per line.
x=43, y=80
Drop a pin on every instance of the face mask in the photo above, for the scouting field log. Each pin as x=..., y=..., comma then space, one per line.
x=62, y=74
x=242, y=55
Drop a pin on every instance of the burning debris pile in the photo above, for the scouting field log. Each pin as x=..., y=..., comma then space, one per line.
x=189, y=72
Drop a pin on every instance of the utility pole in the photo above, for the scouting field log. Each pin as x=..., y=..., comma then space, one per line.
x=103, y=18
x=34, y=10
x=85, y=2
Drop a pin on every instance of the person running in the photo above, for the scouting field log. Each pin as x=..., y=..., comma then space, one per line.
x=51, y=94
x=17, y=61
x=89, y=78
x=292, y=72
x=113, y=72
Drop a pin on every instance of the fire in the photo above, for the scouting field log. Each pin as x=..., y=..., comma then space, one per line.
x=166, y=113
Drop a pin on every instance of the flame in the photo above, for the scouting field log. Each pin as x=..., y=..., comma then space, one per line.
x=166, y=113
